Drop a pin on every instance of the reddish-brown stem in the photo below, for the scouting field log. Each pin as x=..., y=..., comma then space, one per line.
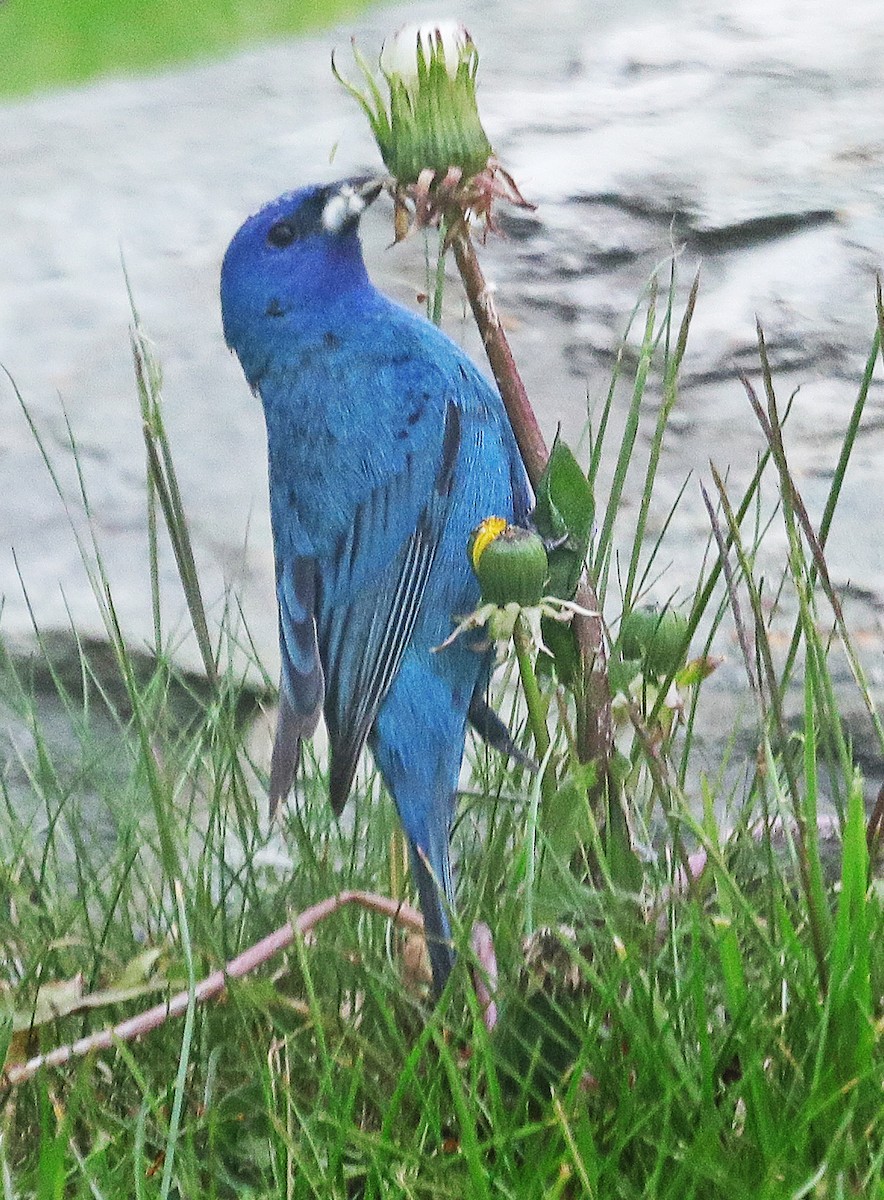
x=529, y=437
x=212, y=985
x=485, y=973
x=396, y=911
x=595, y=737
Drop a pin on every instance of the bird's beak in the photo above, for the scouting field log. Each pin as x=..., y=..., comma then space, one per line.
x=347, y=204
x=368, y=190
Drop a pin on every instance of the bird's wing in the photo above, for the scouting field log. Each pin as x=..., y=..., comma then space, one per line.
x=301, y=686
x=365, y=624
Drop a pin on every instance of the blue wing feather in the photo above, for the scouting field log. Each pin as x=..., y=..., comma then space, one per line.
x=366, y=630
x=302, y=686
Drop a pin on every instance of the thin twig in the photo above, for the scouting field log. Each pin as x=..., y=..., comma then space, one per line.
x=152, y=1018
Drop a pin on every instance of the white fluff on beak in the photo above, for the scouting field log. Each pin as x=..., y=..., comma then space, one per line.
x=344, y=206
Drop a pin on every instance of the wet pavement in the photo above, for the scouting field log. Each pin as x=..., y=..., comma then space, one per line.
x=749, y=143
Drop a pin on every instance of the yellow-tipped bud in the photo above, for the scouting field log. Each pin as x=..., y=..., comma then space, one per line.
x=482, y=536
x=510, y=563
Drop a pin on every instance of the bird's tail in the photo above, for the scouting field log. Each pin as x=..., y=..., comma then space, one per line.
x=432, y=873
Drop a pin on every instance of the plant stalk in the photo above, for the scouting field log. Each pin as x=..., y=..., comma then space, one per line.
x=595, y=730
x=537, y=707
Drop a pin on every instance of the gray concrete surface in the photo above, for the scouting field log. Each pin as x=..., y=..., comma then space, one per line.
x=748, y=136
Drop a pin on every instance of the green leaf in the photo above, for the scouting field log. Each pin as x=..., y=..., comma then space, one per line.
x=141, y=968
x=852, y=1010
x=621, y=673
x=560, y=639
x=564, y=818
x=697, y=670
x=538, y=1039
x=564, y=513
x=624, y=865
x=60, y=998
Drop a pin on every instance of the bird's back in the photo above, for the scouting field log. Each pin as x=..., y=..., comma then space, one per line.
x=357, y=394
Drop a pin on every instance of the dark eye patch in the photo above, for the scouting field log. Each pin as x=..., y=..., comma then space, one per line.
x=303, y=222
x=282, y=234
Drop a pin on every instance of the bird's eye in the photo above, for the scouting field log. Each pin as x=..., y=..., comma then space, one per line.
x=282, y=234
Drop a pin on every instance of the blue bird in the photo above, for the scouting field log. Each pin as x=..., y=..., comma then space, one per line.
x=386, y=448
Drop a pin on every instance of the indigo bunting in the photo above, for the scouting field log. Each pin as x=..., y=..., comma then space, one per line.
x=386, y=448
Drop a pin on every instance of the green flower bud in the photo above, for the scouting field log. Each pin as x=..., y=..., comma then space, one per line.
x=656, y=637
x=431, y=121
x=510, y=563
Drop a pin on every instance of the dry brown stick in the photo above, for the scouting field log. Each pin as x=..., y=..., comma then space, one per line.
x=214, y=984
x=528, y=433
x=595, y=730
x=484, y=978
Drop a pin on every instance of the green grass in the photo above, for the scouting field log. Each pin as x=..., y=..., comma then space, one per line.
x=722, y=1040
x=50, y=43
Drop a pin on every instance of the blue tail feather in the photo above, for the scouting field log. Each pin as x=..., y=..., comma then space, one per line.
x=435, y=900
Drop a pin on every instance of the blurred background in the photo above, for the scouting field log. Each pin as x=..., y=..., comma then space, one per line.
x=745, y=140
x=56, y=43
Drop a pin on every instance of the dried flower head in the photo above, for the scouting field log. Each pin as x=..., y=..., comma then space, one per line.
x=428, y=128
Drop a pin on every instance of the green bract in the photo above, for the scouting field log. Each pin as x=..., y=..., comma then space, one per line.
x=563, y=515
x=431, y=120
x=511, y=567
x=658, y=638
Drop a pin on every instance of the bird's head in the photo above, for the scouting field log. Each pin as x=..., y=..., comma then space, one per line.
x=298, y=254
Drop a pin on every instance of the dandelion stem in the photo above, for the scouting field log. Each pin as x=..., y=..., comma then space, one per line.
x=537, y=706
x=439, y=281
